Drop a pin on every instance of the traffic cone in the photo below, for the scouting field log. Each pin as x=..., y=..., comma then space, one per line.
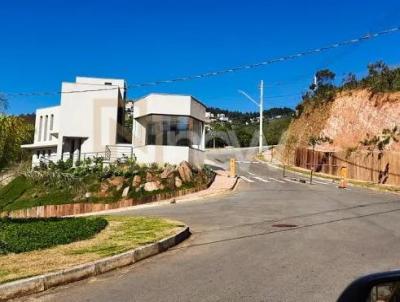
x=343, y=179
x=343, y=183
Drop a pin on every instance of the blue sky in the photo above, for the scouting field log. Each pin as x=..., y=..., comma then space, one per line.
x=46, y=42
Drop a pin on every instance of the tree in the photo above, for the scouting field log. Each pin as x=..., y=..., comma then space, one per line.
x=14, y=131
x=350, y=81
x=325, y=77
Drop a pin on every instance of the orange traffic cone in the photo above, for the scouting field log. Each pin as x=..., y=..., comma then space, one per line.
x=343, y=179
x=343, y=183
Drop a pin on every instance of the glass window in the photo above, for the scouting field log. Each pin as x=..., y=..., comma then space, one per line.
x=172, y=130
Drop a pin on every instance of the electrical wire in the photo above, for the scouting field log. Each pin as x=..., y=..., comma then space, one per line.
x=220, y=72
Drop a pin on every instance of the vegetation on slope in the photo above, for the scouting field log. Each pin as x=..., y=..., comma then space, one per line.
x=91, y=181
x=380, y=78
x=14, y=131
x=314, y=109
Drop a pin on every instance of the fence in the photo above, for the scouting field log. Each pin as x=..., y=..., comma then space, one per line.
x=377, y=167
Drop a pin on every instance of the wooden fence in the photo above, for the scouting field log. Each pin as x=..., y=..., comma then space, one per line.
x=376, y=167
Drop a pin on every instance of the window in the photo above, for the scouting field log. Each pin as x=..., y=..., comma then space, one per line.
x=46, y=120
x=51, y=121
x=170, y=130
x=51, y=125
x=40, y=128
x=108, y=83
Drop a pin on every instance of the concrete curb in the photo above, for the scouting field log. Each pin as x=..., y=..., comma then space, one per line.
x=20, y=288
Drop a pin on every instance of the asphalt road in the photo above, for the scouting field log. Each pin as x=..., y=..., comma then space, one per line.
x=237, y=254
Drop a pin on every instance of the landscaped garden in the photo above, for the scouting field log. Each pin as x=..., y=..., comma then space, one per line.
x=94, y=181
x=30, y=247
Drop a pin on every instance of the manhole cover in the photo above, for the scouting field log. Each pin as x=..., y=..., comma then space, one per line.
x=284, y=225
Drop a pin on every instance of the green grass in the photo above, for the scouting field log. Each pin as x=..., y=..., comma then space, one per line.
x=120, y=235
x=133, y=231
x=23, y=235
x=10, y=193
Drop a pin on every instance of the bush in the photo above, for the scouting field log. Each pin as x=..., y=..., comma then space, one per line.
x=23, y=235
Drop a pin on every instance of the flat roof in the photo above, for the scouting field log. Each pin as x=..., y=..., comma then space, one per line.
x=169, y=94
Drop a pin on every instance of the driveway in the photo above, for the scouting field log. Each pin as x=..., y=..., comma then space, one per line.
x=238, y=252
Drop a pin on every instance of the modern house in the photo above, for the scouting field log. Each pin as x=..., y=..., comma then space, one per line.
x=90, y=121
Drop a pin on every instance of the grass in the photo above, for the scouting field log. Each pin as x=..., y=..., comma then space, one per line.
x=120, y=235
x=24, y=235
x=10, y=193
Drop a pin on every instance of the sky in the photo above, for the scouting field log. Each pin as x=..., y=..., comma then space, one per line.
x=46, y=42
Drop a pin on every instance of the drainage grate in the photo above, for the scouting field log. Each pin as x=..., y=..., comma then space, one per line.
x=284, y=225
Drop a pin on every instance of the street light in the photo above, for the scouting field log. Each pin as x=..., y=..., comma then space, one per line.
x=261, y=107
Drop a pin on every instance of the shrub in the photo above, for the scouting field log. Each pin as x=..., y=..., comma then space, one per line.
x=23, y=235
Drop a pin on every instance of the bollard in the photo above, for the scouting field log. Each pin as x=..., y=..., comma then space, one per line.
x=343, y=178
x=232, y=165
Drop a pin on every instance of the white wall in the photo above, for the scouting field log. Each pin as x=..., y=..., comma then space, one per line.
x=170, y=104
x=40, y=131
x=90, y=114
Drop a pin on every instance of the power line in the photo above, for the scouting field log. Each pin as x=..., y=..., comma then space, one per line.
x=220, y=72
x=363, y=38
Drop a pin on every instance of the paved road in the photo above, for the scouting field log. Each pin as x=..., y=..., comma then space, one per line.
x=237, y=254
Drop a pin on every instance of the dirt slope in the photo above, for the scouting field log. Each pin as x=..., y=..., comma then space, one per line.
x=348, y=119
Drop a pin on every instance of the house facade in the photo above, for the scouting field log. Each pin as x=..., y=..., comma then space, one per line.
x=90, y=122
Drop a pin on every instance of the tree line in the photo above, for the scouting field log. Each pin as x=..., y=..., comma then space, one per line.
x=380, y=78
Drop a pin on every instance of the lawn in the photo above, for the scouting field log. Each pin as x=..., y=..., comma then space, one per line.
x=24, y=235
x=120, y=234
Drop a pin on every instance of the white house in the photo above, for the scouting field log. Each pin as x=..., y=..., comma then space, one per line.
x=169, y=128
x=90, y=122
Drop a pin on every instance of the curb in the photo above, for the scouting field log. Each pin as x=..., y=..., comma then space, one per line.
x=34, y=285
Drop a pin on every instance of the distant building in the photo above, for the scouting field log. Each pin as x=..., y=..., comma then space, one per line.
x=129, y=108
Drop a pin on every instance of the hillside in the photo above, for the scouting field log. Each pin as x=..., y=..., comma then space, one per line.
x=357, y=114
x=348, y=118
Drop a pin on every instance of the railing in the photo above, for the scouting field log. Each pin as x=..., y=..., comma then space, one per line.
x=118, y=152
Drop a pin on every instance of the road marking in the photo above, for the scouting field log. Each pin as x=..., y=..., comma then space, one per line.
x=291, y=180
x=250, y=173
x=278, y=180
x=247, y=162
x=320, y=182
x=260, y=179
x=246, y=179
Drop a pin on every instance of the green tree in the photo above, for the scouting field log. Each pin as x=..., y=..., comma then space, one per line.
x=14, y=131
x=274, y=129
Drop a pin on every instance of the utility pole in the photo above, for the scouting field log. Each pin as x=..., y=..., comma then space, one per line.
x=260, y=105
x=260, y=147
